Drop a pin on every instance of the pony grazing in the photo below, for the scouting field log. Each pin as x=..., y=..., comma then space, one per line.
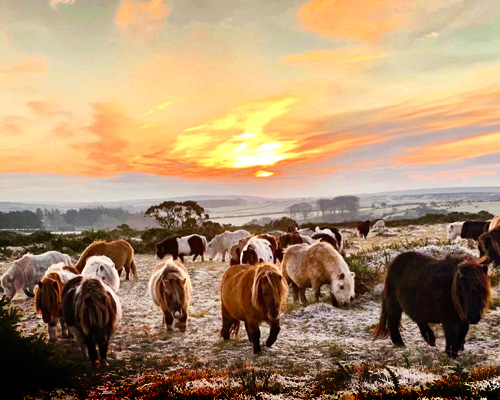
x=170, y=288
x=48, y=298
x=92, y=312
x=315, y=265
x=453, y=291
x=104, y=268
x=253, y=294
x=222, y=243
x=178, y=247
x=364, y=228
x=26, y=272
x=120, y=251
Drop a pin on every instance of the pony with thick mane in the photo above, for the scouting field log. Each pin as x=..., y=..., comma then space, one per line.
x=253, y=294
x=26, y=272
x=315, y=265
x=120, y=251
x=222, y=243
x=92, y=312
x=453, y=291
x=48, y=297
x=170, y=288
x=104, y=268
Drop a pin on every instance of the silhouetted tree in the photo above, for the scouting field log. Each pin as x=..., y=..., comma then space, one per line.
x=173, y=215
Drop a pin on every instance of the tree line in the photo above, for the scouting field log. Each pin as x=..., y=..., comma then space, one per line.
x=336, y=205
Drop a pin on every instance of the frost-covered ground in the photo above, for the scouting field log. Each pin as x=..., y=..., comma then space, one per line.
x=312, y=339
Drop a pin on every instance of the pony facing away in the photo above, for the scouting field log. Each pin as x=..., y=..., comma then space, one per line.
x=258, y=250
x=170, y=288
x=92, y=312
x=26, y=272
x=104, y=268
x=120, y=251
x=315, y=265
x=180, y=246
x=48, y=298
x=453, y=291
x=222, y=243
x=253, y=294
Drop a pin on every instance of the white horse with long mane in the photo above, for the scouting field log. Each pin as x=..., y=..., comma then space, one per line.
x=28, y=270
x=223, y=242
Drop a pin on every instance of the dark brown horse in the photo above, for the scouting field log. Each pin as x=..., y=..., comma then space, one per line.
x=253, y=294
x=489, y=245
x=453, y=291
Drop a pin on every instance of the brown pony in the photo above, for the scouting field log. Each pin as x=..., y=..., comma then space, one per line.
x=170, y=288
x=120, y=252
x=48, y=298
x=253, y=294
x=453, y=291
x=92, y=311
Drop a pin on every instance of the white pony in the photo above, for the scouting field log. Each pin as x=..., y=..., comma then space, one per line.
x=222, y=243
x=104, y=268
x=257, y=250
x=26, y=272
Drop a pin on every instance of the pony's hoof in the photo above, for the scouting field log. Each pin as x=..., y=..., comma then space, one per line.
x=103, y=362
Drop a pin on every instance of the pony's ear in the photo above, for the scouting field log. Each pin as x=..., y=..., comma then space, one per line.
x=101, y=267
x=484, y=261
x=341, y=275
x=40, y=284
x=183, y=281
x=353, y=274
x=56, y=286
x=485, y=269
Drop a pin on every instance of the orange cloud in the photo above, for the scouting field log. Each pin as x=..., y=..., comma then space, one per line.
x=347, y=57
x=456, y=174
x=36, y=65
x=140, y=14
x=360, y=20
x=458, y=150
x=42, y=108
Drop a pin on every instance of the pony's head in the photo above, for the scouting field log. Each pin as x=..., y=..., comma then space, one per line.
x=211, y=250
x=471, y=289
x=343, y=288
x=48, y=297
x=173, y=291
x=269, y=291
x=8, y=288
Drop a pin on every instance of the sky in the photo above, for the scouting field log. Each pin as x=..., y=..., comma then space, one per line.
x=104, y=100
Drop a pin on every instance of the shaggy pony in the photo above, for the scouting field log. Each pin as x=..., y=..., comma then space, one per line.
x=104, y=268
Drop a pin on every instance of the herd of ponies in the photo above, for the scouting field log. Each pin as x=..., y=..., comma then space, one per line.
x=83, y=296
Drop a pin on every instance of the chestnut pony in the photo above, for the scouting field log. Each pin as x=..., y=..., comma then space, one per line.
x=253, y=294
x=453, y=290
x=48, y=298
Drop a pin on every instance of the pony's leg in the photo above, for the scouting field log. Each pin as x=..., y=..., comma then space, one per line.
x=394, y=313
x=302, y=294
x=295, y=289
x=273, y=333
x=427, y=334
x=224, y=255
x=249, y=335
x=120, y=272
x=317, y=289
x=462, y=333
x=451, y=333
x=227, y=321
x=254, y=333
x=80, y=339
x=194, y=256
x=52, y=327
x=64, y=328
x=103, y=354
x=89, y=342
x=181, y=256
x=168, y=319
x=127, y=272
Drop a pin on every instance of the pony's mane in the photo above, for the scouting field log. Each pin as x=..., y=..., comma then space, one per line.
x=476, y=279
x=279, y=288
x=48, y=295
x=173, y=275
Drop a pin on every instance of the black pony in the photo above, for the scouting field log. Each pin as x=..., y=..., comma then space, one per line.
x=453, y=291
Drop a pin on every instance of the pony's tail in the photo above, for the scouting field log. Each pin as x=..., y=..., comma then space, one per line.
x=133, y=268
x=382, y=329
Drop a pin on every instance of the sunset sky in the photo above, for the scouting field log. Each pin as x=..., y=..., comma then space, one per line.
x=122, y=99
